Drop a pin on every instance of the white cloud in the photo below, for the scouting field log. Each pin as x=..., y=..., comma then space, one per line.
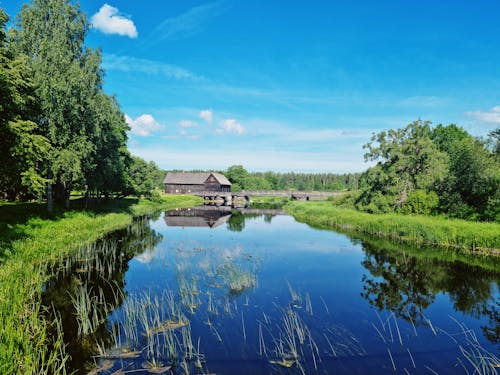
x=187, y=124
x=143, y=125
x=230, y=126
x=490, y=117
x=109, y=21
x=186, y=24
x=132, y=64
x=207, y=115
x=424, y=102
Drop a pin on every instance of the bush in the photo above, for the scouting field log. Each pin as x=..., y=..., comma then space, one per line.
x=379, y=204
x=345, y=200
x=421, y=202
x=154, y=196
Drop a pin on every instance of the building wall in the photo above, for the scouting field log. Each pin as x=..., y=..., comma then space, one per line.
x=186, y=189
x=183, y=189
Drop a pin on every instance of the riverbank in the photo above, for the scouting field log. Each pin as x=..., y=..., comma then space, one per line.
x=31, y=240
x=465, y=236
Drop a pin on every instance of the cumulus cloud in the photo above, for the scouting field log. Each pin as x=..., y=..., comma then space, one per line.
x=187, y=124
x=230, y=126
x=490, y=117
x=143, y=125
x=109, y=21
x=207, y=115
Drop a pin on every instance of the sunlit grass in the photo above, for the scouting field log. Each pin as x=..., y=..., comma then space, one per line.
x=457, y=234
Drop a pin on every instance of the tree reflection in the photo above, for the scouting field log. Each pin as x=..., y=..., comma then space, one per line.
x=96, y=272
x=407, y=285
x=236, y=222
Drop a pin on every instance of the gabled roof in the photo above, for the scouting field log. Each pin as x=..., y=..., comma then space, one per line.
x=193, y=178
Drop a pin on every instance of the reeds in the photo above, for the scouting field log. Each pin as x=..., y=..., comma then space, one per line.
x=410, y=229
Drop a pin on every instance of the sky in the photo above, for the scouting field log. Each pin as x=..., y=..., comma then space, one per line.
x=292, y=85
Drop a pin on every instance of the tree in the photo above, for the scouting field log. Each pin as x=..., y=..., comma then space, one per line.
x=66, y=76
x=407, y=160
x=144, y=176
x=238, y=177
x=471, y=189
x=22, y=150
x=105, y=170
x=84, y=126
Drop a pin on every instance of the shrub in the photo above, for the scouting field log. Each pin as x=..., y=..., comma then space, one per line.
x=421, y=202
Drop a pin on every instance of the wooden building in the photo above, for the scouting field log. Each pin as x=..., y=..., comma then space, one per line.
x=195, y=182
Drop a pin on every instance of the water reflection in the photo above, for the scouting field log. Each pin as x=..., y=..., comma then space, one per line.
x=213, y=216
x=407, y=285
x=203, y=216
x=88, y=287
x=261, y=301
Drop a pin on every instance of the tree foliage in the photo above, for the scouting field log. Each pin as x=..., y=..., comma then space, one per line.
x=423, y=170
x=241, y=179
x=471, y=189
x=59, y=128
x=144, y=176
x=22, y=151
x=407, y=161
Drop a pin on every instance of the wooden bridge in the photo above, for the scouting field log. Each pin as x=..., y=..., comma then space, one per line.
x=243, y=197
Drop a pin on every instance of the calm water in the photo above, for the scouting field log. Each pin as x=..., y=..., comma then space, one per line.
x=206, y=292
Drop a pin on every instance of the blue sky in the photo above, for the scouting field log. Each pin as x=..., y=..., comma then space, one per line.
x=292, y=85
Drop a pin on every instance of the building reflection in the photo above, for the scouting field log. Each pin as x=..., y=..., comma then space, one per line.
x=203, y=216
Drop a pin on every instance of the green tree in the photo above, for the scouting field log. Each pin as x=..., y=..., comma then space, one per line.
x=85, y=128
x=66, y=77
x=106, y=169
x=143, y=176
x=407, y=160
x=471, y=189
x=22, y=150
x=238, y=177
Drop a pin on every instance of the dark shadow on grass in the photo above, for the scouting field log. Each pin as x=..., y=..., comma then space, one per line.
x=16, y=218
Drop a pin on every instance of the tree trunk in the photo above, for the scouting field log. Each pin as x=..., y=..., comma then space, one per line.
x=67, y=195
x=50, y=201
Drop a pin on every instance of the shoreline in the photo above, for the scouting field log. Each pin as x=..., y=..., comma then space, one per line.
x=477, y=238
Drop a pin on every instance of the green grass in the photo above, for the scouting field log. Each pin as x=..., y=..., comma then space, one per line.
x=467, y=236
x=31, y=240
x=268, y=202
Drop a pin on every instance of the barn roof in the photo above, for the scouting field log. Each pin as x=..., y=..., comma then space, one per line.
x=193, y=178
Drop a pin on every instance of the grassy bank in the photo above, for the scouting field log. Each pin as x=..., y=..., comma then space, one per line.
x=30, y=240
x=414, y=230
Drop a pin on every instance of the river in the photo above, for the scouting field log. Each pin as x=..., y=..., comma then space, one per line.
x=205, y=291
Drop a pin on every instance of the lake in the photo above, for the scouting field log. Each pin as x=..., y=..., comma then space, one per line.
x=210, y=291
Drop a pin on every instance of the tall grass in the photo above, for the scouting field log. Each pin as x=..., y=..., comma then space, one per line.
x=32, y=240
x=457, y=234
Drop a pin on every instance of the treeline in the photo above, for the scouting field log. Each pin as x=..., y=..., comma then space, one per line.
x=241, y=179
x=59, y=130
x=426, y=170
